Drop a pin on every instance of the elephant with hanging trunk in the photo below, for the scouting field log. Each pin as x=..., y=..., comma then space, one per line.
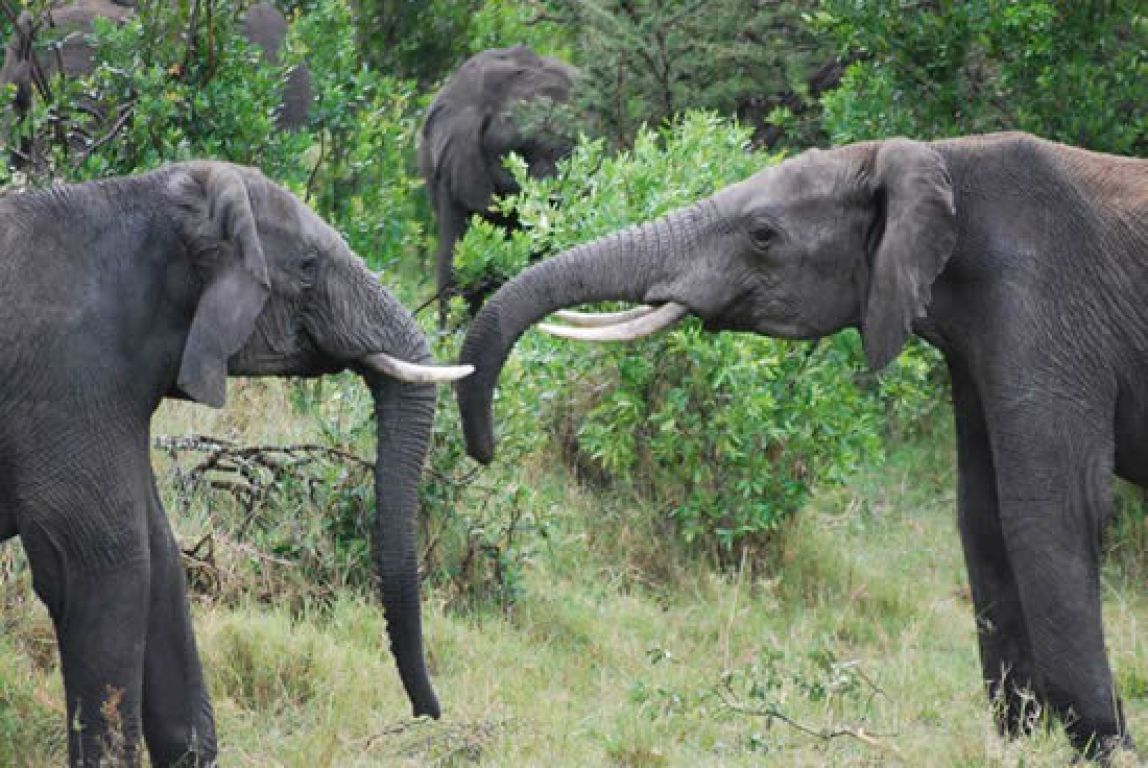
x=1023, y=261
x=116, y=294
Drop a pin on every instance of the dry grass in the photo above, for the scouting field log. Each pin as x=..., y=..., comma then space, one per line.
x=856, y=649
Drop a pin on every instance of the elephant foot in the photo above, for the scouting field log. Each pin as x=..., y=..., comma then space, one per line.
x=1110, y=752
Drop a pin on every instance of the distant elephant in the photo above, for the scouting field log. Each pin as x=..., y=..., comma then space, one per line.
x=480, y=116
x=1024, y=261
x=266, y=27
x=116, y=294
x=31, y=70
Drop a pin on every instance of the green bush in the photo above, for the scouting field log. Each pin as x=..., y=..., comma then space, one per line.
x=360, y=167
x=645, y=61
x=426, y=40
x=178, y=85
x=171, y=86
x=729, y=433
x=1071, y=71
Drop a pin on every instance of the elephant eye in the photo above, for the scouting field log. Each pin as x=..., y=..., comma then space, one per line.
x=762, y=233
x=308, y=267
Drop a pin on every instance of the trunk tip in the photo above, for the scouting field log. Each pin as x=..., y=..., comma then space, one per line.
x=429, y=708
x=480, y=448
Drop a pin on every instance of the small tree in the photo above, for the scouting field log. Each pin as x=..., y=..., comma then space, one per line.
x=1071, y=70
x=647, y=60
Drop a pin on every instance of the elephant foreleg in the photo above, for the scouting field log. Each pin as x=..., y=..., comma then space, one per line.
x=1005, y=651
x=7, y=528
x=177, y=717
x=100, y=611
x=1054, y=467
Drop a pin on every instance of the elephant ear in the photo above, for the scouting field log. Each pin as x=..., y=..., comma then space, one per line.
x=916, y=222
x=455, y=153
x=225, y=248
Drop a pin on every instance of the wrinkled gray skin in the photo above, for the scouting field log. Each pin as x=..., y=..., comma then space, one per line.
x=114, y=295
x=1024, y=261
x=31, y=70
x=470, y=129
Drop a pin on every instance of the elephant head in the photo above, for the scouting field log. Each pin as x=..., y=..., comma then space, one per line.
x=500, y=101
x=284, y=295
x=829, y=239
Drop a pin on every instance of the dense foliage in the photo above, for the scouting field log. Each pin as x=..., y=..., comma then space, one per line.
x=1071, y=70
x=425, y=40
x=645, y=61
x=174, y=83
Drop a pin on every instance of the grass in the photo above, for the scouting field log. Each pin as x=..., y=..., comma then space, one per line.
x=854, y=648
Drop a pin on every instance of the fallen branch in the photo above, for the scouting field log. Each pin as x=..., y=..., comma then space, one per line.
x=770, y=712
x=224, y=448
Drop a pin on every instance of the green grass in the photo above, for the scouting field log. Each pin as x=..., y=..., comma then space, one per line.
x=859, y=626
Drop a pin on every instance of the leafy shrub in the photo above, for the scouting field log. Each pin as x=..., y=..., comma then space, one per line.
x=171, y=84
x=361, y=163
x=727, y=432
x=425, y=40
x=180, y=85
x=645, y=61
x=478, y=534
x=1071, y=71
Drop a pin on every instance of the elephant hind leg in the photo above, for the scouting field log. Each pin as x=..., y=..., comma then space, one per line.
x=1054, y=468
x=1005, y=650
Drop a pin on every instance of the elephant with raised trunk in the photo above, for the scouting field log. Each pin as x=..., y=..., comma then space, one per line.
x=1023, y=261
x=499, y=101
x=116, y=294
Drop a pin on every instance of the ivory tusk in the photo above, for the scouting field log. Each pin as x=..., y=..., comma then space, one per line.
x=663, y=317
x=413, y=372
x=602, y=319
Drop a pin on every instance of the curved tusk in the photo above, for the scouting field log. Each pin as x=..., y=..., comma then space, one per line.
x=601, y=319
x=663, y=317
x=413, y=372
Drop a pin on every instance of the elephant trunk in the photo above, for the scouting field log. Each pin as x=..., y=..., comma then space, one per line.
x=630, y=265
x=404, y=414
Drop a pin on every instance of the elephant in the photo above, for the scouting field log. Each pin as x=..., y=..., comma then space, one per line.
x=474, y=122
x=262, y=25
x=265, y=26
x=1023, y=261
x=116, y=294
